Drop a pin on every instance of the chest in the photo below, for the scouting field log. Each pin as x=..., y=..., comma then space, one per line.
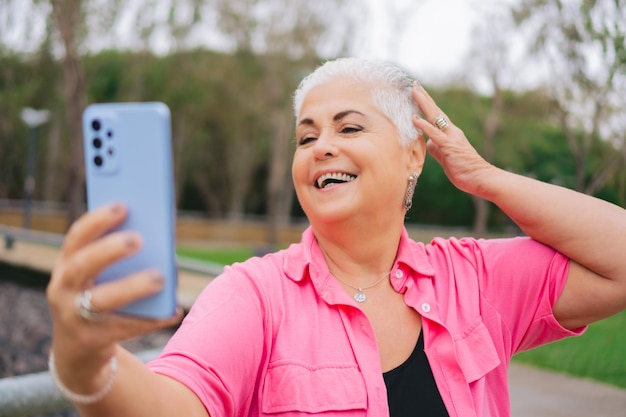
x=332, y=358
x=396, y=327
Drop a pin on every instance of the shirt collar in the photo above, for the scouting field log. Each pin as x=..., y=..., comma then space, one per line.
x=413, y=255
x=306, y=257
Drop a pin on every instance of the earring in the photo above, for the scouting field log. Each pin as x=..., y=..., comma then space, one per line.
x=410, y=188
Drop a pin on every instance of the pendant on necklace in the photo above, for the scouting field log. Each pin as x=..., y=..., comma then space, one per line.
x=359, y=297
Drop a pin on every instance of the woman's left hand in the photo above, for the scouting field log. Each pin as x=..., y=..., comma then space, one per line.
x=465, y=168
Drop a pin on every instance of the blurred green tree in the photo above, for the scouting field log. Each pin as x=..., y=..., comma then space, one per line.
x=583, y=44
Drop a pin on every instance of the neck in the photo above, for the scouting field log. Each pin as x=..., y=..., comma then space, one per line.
x=358, y=256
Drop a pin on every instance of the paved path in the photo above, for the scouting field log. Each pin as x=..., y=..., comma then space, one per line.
x=540, y=393
x=534, y=392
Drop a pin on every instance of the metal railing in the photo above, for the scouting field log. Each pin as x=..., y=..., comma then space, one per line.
x=34, y=394
x=10, y=235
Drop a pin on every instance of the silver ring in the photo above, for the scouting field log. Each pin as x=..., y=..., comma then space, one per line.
x=85, y=309
x=441, y=122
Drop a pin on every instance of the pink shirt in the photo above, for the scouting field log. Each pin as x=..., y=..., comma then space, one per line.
x=279, y=336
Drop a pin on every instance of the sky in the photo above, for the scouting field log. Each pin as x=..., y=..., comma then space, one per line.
x=430, y=38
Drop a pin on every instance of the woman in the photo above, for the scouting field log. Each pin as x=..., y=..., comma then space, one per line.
x=356, y=319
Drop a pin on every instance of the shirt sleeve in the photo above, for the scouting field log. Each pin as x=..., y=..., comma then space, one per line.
x=523, y=279
x=217, y=350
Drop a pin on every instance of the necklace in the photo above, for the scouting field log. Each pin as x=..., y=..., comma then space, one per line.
x=360, y=297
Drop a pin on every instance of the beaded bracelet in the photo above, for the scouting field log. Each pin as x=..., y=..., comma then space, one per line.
x=80, y=398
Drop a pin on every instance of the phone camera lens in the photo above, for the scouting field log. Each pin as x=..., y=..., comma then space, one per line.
x=97, y=143
x=95, y=124
x=98, y=161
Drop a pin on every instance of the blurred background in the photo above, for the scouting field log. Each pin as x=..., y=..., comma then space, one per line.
x=539, y=87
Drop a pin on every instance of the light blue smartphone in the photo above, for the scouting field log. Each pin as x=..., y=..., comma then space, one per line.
x=128, y=159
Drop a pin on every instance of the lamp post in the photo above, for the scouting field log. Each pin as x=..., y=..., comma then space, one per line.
x=33, y=119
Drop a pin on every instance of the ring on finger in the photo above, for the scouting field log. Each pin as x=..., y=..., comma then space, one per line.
x=441, y=122
x=85, y=309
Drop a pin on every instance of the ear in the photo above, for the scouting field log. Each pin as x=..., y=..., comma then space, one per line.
x=417, y=154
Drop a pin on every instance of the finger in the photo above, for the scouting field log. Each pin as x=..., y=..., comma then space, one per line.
x=127, y=327
x=108, y=297
x=82, y=268
x=436, y=136
x=113, y=295
x=433, y=150
x=87, y=337
x=92, y=225
x=433, y=132
x=427, y=105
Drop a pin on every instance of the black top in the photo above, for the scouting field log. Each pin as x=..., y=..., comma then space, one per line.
x=411, y=388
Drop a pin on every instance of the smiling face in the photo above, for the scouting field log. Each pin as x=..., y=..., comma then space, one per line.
x=349, y=163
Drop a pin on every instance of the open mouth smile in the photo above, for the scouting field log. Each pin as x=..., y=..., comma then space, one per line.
x=330, y=179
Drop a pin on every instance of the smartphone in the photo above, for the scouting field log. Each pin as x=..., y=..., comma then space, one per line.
x=128, y=159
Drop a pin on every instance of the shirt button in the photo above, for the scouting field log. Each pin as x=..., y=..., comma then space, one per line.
x=399, y=273
x=425, y=307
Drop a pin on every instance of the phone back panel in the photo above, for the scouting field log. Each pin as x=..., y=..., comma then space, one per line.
x=128, y=159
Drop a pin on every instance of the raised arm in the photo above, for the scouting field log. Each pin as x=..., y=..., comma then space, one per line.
x=99, y=376
x=590, y=231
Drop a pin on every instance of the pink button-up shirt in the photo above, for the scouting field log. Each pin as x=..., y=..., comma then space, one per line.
x=278, y=336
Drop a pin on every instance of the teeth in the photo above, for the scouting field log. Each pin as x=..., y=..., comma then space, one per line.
x=331, y=178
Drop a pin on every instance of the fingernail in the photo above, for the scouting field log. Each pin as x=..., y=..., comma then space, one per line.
x=132, y=241
x=116, y=209
x=156, y=278
x=416, y=84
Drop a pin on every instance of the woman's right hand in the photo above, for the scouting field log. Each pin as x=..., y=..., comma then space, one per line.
x=83, y=348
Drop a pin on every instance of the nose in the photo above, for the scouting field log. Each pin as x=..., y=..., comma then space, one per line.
x=325, y=146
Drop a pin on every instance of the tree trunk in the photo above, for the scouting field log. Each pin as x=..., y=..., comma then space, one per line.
x=67, y=15
x=490, y=130
x=481, y=216
x=280, y=188
x=242, y=159
x=51, y=177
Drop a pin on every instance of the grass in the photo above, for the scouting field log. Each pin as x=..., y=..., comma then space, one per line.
x=222, y=256
x=599, y=354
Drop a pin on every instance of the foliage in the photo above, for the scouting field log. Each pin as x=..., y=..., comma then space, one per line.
x=222, y=132
x=528, y=143
x=23, y=83
x=232, y=121
x=582, y=44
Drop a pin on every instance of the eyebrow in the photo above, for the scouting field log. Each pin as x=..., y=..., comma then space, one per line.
x=343, y=114
x=336, y=118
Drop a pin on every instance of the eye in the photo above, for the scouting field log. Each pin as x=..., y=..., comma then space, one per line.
x=305, y=140
x=348, y=130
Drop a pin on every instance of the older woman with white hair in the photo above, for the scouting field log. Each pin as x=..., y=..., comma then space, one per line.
x=356, y=319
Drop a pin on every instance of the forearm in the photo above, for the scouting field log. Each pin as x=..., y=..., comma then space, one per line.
x=137, y=391
x=588, y=230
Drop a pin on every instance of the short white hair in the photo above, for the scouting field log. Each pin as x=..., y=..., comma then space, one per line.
x=391, y=90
